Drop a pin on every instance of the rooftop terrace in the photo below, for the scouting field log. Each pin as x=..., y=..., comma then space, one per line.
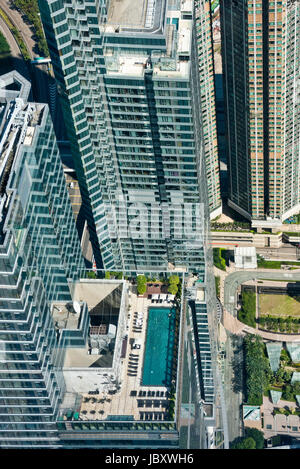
x=18, y=120
x=65, y=316
x=136, y=16
x=169, y=58
x=117, y=390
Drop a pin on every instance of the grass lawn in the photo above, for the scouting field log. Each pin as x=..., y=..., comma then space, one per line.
x=264, y=264
x=279, y=305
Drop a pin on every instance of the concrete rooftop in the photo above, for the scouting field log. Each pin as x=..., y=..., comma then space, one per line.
x=136, y=15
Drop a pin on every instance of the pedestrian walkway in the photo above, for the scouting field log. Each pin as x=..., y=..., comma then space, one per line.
x=235, y=326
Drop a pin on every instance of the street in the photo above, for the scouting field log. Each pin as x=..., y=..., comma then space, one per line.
x=17, y=59
x=16, y=18
x=233, y=384
x=235, y=279
x=285, y=252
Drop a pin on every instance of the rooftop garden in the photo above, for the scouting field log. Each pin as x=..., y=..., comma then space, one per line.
x=260, y=379
x=293, y=220
x=234, y=226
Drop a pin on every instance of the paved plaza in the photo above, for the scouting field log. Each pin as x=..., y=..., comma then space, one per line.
x=274, y=424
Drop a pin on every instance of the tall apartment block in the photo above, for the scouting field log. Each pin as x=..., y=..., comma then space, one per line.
x=128, y=78
x=40, y=255
x=261, y=84
x=67, y=376
x=204, y=39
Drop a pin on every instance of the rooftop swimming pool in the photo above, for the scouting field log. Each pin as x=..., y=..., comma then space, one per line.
x=158, y=356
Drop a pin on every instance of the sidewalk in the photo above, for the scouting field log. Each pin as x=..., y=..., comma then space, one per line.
x=16, y=18
x=235, y=326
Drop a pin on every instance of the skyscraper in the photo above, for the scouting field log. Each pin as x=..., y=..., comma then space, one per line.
x=39, y=255
x=204, y=39
x=260, y=43
x=131, y=80
x=128, y=78
x=56, y=349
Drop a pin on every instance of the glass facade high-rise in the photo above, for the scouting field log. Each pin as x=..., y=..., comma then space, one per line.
x=40, y=255
x=204, y=38
x=128, y=78
x=260, y=43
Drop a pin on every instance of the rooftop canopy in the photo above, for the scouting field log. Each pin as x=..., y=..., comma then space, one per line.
x=294, y=351
x=295, y=377
x=251, y=412
x=274, y=351
x=275, y=396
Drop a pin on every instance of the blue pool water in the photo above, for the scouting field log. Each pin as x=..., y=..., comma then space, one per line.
x=158, y=355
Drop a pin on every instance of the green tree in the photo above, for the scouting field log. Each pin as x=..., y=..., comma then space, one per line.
x=173, y=289
x=243, y=443
x=141, y=279
x=31, y=11
x=4, y=47
x=217, y=283
x=296, y=388
x=287, y=393
x=257, y=436
x=257, y=367
x=248, y=311
x=219, y=261
x=287, y=376
x=174, y=279
x=141, y=288
x=91, y=275
x=141, y=284
x=279, y=376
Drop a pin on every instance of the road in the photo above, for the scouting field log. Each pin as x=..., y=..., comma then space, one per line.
x=285, y=252
x=16, y=18
x=18, y=62
x=14, y=48
x=233, y=365
x=233, y=383
x=235, y=279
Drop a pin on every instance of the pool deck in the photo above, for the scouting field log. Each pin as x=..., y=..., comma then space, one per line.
x=159, y=347
x=122, y=402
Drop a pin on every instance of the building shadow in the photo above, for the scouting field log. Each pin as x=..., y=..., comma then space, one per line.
x=237, y=364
